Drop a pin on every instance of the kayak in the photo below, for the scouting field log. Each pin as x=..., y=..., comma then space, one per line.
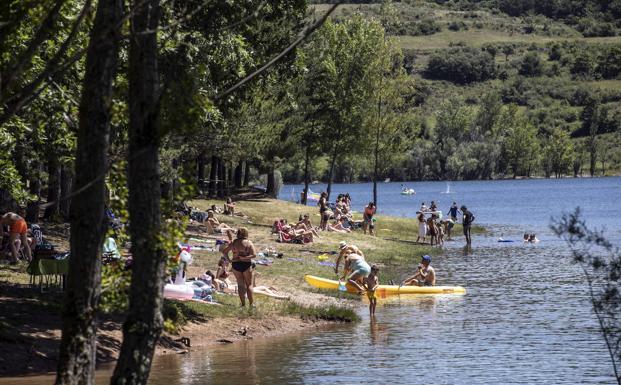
x=385, y=290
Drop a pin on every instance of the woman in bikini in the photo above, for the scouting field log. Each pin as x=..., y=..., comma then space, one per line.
x=243, y=252
x=324, y=210
x=216, y=225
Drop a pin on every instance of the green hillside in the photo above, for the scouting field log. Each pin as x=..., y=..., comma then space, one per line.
x=550, y=67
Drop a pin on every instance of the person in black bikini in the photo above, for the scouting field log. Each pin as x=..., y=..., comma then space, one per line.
x=324, y=210
x=243, y=253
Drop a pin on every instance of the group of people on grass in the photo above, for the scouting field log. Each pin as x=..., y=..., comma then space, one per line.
x=341, y=215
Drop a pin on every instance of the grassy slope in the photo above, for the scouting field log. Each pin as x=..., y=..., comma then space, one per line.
x=484, y=27
x=393, y=256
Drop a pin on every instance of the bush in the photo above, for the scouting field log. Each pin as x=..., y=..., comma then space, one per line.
x=462, y=66
x=420, y=28
x=592, y=28
x=609, y=63
x=583, y=65
x=457, y=26
x=531, y=65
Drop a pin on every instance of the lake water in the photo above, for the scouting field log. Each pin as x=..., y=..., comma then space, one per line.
x=526, y=318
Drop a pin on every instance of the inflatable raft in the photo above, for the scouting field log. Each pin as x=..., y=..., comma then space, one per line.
x=385, y=290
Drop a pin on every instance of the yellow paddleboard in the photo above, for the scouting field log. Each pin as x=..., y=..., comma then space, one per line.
x=385, y=290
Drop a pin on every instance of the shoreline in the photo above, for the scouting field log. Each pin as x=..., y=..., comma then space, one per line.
x=536, y=177
x=30, y=321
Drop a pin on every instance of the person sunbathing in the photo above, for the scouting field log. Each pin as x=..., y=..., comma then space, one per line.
x=215, y=225
x=305, y=224
x=300, y=233
x=339, y=227
x=221, y=278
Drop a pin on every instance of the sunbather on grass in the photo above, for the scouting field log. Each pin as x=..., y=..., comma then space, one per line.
x=339, y=226
x=216, y=225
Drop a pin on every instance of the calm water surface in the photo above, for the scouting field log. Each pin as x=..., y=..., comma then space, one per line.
x=526, y=318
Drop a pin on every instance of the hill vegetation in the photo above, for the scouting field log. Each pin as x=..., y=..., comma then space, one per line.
x=489, y=71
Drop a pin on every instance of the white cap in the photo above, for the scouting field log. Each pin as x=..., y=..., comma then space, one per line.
x=342, y=245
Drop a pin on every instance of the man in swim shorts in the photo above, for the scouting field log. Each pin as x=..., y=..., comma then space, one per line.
x=467, y=223
x=425, y=275
x=17, y=230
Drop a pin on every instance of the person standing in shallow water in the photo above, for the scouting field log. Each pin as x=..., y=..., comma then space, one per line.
x=243, y=253
x=467, y=220
x=371, y=283
x=452, y=212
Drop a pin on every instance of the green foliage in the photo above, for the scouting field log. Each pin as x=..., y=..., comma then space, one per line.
x=521, y=145
x=327, y=313
x=462, y=66
x=558, y=153
x=531, y=65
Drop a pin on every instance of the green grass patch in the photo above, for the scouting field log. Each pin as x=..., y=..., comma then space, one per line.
x=327, y=313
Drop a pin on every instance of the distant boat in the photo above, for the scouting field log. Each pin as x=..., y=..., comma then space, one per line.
x=387, y=180
x=315, y=182
x=408, y=191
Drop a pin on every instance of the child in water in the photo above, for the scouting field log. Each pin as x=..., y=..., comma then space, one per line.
x=371, y=282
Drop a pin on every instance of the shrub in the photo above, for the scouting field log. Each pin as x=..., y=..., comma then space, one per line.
x=609, y=63
x=462, y=65
x=583, y=65
x=457, y=26
x=592, y=28
x=531, y=65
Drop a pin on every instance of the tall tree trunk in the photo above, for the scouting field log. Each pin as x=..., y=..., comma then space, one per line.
x=213, y=176
x=593, y=155
x=201, y=162
x=66, y=179
x=32, y=209
x=238, y=174
x=144, y=321
x=175, y=181
x=221, y=178
x=166, y=191
x=306, y=175
x=246, y=174
x=376, y=149
x=270, y=189
x=76, y=358
x=53, y=186
x=331, y=171
x=229, y=178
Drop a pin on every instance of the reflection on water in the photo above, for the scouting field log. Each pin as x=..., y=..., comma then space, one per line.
x=526, y=319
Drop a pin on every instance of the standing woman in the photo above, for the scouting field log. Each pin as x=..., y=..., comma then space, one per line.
x=243, y=252
x=422, y=228
x=324, y=210
x=369, y=211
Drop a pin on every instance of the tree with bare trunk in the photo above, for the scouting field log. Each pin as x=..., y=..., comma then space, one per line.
x=76, y=361
x=144, y=321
